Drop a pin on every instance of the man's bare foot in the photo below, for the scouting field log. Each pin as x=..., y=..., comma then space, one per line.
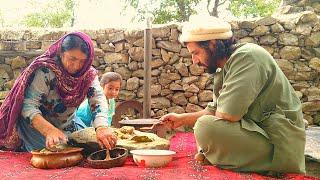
x=201, y=159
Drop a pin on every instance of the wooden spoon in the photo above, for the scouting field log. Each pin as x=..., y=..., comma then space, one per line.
x=107, y=155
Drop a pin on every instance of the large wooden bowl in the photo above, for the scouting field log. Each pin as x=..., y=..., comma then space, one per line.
x=54, y=160
x=118, y=157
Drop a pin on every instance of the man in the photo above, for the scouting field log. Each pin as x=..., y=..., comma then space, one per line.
x=256, y=123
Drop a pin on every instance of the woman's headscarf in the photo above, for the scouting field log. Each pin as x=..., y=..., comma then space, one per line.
x=71, y=89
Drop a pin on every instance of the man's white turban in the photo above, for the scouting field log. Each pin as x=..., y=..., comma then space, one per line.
x=203, y=28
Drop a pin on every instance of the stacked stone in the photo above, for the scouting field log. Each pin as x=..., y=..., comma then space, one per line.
x=177, y=84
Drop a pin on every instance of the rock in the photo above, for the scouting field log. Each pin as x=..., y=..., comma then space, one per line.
x=286, y=66
x=203, y=81
x=98, y=52
x=3, y=94
x=288, y=39
x=109, y=47
x=170, y=46
x=241, y=33
x=315, y=64
x=247, y=40
x=160, y=32
x=116, y=37
x=175, y=87
x=119, y=47
x=182, y=69
x=132, y=83
x=111, y=58
x=277, y=28
x=301, y=66
x=136, y=53
x=18, y=62
x=140, y=43
x=300, y=85
x=311, y=106
x=185, y=53
x=193, y=108
x=179, y=99
x=176, y=109
x=133, y=66
x=157, y=63
x=138, y=73
x=165, y=55
x=247, y=25
x=160, y=103
x=290, y=53
x=155, y=90
x=166, y=92
x=266, y=21
x=196, y=70
x=33, y=44
x=313, y=40
x=304, y=29
x=308, y=17
x=124, y=72
x=126, y=95
x=304, y=76
x=190, y=79
x=205, y=95
x=174, y=35
x=259, y=31
x=268, y=40
x=190, y=88
x=194, y=100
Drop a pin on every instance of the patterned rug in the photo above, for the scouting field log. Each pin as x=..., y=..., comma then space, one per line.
x=15, y=165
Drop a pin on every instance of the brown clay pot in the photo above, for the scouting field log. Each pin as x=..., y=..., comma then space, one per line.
x=54, y=160
x=118, y=157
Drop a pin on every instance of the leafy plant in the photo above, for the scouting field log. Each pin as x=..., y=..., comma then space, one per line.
x=55, y=14
x=253, y=8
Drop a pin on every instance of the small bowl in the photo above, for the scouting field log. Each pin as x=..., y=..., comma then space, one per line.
x=54, y=160
x=118, y=157
x=152, y=157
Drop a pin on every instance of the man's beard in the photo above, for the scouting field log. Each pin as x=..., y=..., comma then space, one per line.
x=212, y=61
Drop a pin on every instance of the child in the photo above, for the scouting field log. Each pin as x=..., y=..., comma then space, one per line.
x=111, y=83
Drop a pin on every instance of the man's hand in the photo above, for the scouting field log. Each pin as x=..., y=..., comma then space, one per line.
x=172, y=120
x=106, y=138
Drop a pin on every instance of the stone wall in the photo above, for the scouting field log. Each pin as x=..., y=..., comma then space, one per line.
x=177, y=84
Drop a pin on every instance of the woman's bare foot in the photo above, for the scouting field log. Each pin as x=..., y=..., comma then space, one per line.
x=201, y=159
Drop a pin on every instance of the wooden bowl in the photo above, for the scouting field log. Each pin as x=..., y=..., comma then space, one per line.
x=118, y=157
x=54, y=160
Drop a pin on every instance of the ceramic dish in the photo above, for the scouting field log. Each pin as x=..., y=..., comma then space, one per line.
x=152, y=157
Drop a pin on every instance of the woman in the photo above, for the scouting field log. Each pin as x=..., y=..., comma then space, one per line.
x=38, y=112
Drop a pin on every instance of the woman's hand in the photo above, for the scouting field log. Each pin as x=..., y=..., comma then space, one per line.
x=54, y=137
x=106, y=138
x=172, y=120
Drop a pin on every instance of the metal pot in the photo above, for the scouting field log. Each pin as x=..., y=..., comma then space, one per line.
x=53, y=160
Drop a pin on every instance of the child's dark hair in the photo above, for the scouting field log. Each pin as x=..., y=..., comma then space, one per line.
x=110, y=76
x=74, y=42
